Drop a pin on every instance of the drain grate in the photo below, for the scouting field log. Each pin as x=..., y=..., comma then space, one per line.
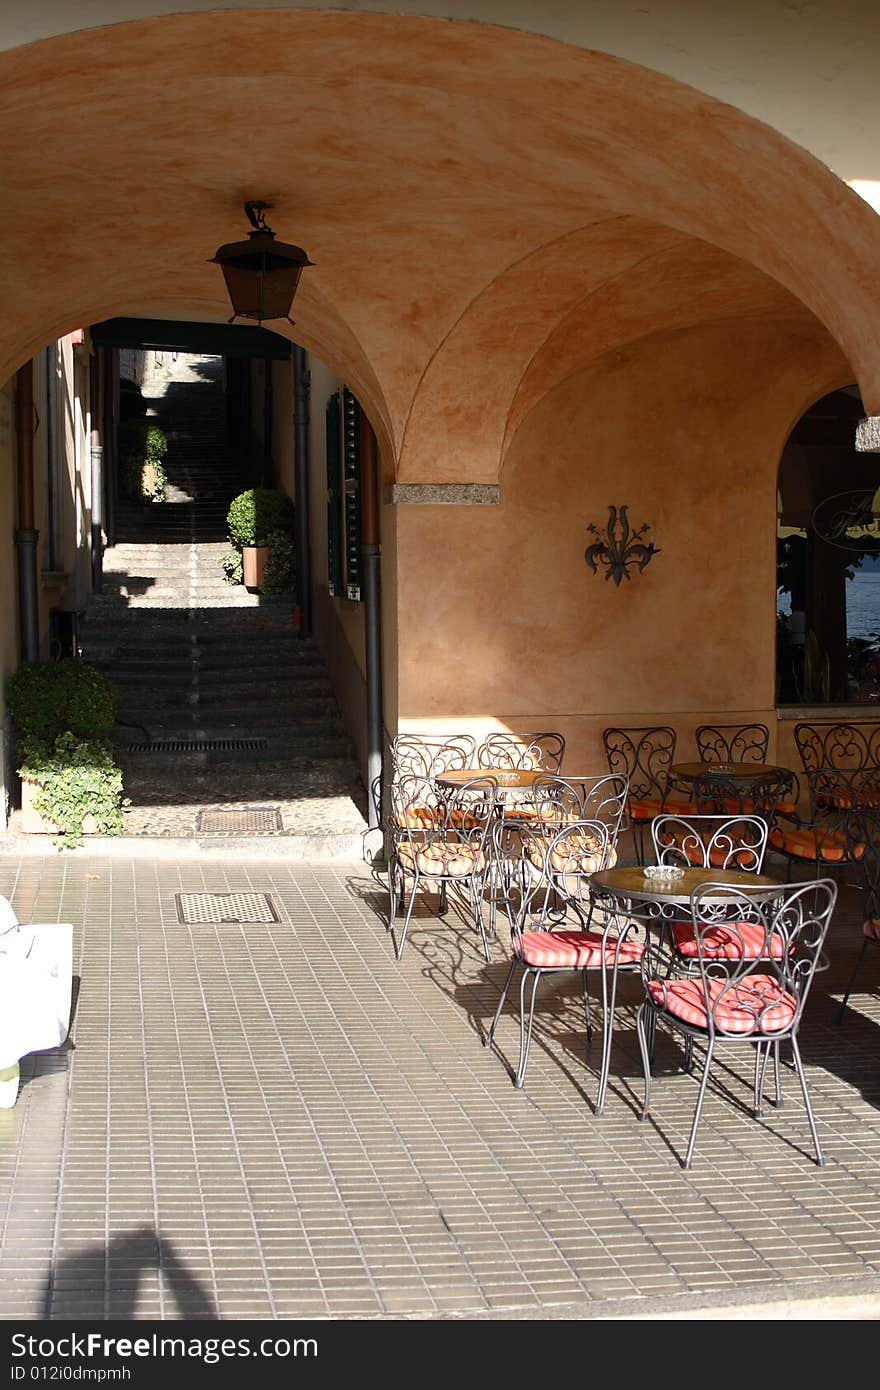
x=204, y=909
x=197, y=745
x=255, y=820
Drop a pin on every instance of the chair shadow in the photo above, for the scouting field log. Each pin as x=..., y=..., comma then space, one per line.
x=122, y=1263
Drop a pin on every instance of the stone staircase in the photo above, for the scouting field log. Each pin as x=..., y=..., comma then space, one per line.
x=228, y=732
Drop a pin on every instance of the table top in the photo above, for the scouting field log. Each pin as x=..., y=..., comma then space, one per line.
x=505, y=778
x=630, y=882
x=726, y=772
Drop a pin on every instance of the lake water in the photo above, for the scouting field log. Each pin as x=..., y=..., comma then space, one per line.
x=862, y=603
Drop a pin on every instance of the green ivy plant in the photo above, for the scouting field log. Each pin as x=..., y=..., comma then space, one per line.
x=142, y=447
x=231, y=565
x=75, y=777
x=279, y=576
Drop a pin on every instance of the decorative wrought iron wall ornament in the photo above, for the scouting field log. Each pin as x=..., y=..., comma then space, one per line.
x=618, y=547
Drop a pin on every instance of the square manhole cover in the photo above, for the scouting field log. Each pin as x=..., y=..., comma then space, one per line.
x=255, y=820
x=200, y=909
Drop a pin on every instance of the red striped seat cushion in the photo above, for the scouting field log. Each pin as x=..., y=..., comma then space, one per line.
x=450, y=858
x=574, y=950
x=758, y=1004
x=575, y=854
x=806, y=842
x=727, y=941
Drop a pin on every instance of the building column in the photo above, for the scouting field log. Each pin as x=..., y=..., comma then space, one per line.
x=26, y=536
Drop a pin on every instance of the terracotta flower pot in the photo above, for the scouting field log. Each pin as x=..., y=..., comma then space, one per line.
x=32, y=823
x=253, y=563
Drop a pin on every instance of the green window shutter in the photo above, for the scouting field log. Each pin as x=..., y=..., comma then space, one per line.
x=334, y=497
x=351, y=462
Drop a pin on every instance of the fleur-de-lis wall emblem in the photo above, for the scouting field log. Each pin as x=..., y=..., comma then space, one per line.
x=618, y=547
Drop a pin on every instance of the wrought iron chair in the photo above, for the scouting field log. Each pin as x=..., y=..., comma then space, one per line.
x=522, y=751
x=869, y=864
x=840, y=802
x=550, y=803
x=439, y=842
x=644, y=756
x=551, y=928
x=750, y=995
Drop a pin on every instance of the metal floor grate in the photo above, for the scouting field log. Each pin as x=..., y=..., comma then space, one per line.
x=254, y=820
x=205, y=909
x=197, y=745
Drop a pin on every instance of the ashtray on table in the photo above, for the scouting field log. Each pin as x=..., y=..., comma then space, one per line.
x=664, y=872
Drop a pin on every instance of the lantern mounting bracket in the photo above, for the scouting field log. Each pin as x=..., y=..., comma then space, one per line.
x=254, y=210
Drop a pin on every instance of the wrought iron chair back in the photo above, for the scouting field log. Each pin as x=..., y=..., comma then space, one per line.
x=752, y=993
x=711, y=841
x=522, y=752
x=424, y=755
x=761, y=795
x=733, y=743
x=556, y=800
x=642, y=755
x=847, y=747
x=842, y=801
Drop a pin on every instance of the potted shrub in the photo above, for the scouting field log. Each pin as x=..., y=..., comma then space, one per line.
x=254, y=517
x=142, y=447
x=63, y=712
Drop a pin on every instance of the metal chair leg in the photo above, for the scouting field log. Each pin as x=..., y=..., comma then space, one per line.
x=587, y=1013
x=491, y=1033
x=644, y=1026
x=710, y=1047
x=799, y=1068
x=525, y=1037
x=398, y=946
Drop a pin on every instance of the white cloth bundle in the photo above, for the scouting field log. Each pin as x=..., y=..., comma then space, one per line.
x=36, y=967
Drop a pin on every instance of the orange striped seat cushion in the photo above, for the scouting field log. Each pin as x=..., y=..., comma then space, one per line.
x=758, y=1004
x=446, y=858
x=573, y=950
x=727, y=941
x=872, y=928
x=814, y=842
x=846, y=797
x=641, y=808
x=418, y=817
x=575, y=854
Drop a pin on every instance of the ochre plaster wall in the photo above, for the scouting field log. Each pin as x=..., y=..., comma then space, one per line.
x=501, y=623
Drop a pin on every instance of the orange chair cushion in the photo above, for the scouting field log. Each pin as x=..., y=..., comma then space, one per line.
x=445, y=858
x=807, y=842
x=727, y=941
x=642, y=808
x=573, y=950
x=418, y=817
x=758, y=1004
x=844, y=798
x=872, y=928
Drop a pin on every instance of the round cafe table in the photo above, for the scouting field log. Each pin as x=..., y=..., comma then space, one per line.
x=715, y=785
x=631, y=900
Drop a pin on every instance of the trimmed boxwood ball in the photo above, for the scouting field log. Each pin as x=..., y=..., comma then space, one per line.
x=48, y=698
x=255, y=514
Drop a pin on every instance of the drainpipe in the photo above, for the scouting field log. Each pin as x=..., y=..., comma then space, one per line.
x=26, y=536
x=96, y=452
x=301, y=383
x=371, y=558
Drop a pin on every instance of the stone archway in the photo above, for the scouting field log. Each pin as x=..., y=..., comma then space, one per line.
x=460, y=187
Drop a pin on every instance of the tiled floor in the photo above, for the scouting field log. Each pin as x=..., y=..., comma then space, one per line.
x=278, y=1120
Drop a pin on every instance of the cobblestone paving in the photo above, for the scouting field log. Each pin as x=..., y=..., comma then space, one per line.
x=278, y=1120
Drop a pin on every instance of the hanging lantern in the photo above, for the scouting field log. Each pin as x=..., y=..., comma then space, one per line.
x=261, y=274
